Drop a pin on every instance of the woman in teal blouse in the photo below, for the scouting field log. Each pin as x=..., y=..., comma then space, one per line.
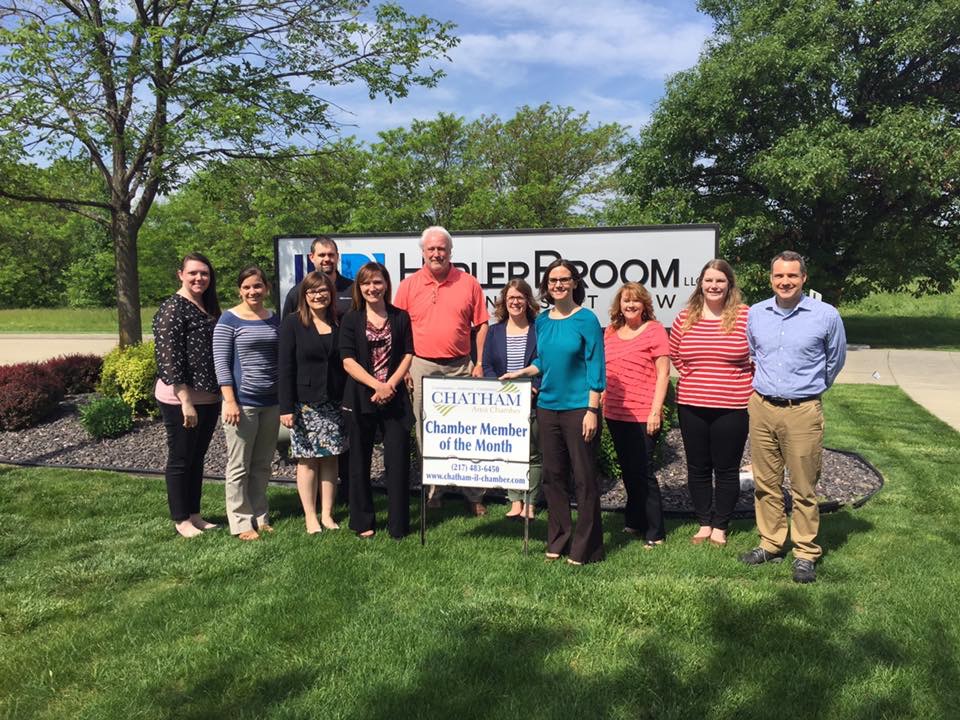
x=570, y=346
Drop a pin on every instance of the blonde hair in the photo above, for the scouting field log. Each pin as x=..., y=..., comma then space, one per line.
x=731, y=305
x=632, y=290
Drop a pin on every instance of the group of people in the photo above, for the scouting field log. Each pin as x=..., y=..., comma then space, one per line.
x=336, y=371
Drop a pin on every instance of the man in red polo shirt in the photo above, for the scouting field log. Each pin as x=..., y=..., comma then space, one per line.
x=445, y=306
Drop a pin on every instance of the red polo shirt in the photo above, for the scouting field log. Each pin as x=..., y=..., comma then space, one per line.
x=442, y=314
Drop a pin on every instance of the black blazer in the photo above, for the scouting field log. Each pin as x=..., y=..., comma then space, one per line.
x=308, y=373
x=353, y=344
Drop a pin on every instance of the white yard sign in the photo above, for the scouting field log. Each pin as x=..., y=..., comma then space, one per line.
x=476, y=433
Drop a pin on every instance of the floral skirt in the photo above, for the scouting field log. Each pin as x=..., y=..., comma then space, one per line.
x=318, y=431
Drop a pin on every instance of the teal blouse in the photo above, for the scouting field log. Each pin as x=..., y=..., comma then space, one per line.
x=570, y=359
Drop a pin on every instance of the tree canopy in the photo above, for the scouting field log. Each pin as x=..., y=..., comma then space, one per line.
x=547, y=166
x=148, y=92
x=829, y=127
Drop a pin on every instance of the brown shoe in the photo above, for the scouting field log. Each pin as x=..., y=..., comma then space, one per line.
x=477, y=508
x=249, y=535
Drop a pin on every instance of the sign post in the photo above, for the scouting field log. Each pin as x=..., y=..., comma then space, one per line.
x=476, y=433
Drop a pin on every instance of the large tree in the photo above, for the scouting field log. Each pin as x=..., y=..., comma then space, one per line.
x=831, y=127
x=149, y=90
x=546, y=166
x=416, y=177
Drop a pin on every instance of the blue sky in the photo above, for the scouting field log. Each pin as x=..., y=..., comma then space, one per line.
x=606, y=57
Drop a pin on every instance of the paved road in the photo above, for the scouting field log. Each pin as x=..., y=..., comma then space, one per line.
x=930, y=377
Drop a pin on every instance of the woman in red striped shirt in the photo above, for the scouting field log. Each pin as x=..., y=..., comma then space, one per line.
x=708, y=347
x=638, y=373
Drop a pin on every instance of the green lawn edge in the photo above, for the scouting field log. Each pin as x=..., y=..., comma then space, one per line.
x=104, y=613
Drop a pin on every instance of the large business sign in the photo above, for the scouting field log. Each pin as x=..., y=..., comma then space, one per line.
x=476, y=432
x=666, y=259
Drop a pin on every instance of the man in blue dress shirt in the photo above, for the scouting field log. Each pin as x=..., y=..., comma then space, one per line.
x=798, y=347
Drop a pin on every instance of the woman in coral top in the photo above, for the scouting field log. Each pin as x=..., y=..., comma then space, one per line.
x=708, y=347
x=638, y=374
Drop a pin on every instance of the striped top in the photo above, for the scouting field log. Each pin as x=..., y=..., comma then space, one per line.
x=715, y=368
x=245, y=357
x=516, y=348
x=632, y=372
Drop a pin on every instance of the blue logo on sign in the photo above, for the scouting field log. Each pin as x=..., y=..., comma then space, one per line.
x=350, y=263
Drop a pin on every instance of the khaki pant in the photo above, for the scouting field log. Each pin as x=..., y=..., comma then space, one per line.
x=420, y=368
x=790, y=437
x=250, y=448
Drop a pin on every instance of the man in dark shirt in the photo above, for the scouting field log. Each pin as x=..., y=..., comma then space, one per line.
x=325, y=257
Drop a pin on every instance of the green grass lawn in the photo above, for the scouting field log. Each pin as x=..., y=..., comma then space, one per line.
x=67, y=320
x=903, y=321
x=883, y=320
x=105, y=614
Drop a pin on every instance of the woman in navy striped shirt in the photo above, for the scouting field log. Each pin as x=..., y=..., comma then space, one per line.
x=245, y=357
x=512, y=345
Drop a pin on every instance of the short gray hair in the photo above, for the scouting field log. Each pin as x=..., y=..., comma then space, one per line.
x=437, y=228
x=790, y=256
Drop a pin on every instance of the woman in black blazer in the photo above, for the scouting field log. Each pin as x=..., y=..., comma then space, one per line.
x=512, y=345
x=310, y=389
x=376, y=346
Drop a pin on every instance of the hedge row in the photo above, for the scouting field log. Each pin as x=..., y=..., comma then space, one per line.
x=29, y=392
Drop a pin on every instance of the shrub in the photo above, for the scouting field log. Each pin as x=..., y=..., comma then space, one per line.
x=105, y=417
x=29, y=392
x=131, y=373
x=607, y=454
x=76, y=373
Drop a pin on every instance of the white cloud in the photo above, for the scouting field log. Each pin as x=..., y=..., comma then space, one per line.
x=606, y=108
x=611, y=38
x=608, y=58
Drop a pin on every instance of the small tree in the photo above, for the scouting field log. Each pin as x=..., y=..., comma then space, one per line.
x=148, y=90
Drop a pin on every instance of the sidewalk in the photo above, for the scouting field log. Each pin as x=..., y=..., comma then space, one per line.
x=930, y=377
x=36, y=347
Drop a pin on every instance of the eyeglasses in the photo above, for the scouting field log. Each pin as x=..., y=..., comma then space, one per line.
x=560, y=281
x=516, y=301
x=317, y=291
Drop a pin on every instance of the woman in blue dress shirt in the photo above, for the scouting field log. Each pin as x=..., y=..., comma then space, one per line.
x=571, y=362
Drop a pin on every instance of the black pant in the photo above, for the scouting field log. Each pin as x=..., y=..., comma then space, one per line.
x=564, y=453
x=343, y=472
x=186, y=449
x=396, y=461
x=644, y=511
x=713, y=440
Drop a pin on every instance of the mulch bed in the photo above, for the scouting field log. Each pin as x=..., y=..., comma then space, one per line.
x=847, y=479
